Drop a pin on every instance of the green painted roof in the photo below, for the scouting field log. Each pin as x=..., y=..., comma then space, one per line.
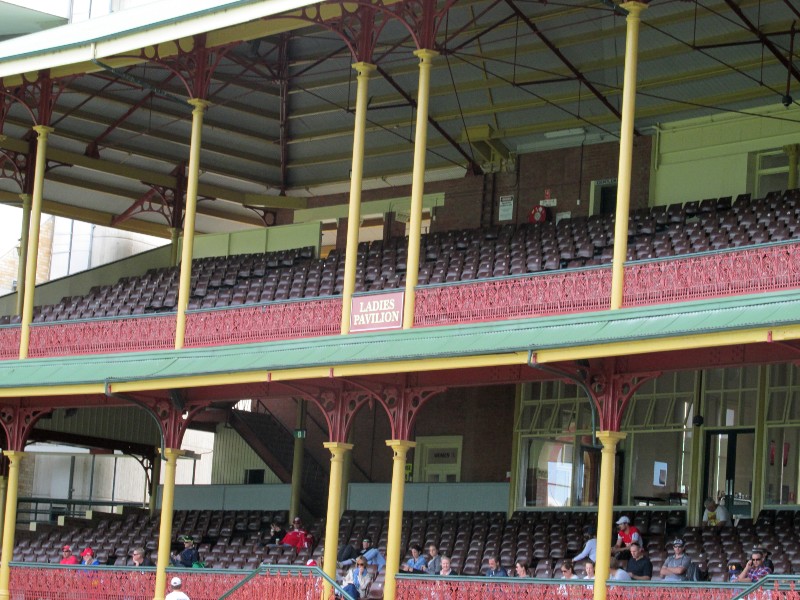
x=585, y=329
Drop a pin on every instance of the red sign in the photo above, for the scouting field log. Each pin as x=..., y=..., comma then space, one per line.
x=377, y=312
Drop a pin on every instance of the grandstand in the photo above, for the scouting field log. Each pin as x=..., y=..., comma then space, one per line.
x=575, y=309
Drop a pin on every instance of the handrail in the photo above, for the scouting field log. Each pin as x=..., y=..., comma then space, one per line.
x=300, y=570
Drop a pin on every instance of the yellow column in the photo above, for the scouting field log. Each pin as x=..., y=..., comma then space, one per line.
x=792, y=150
x=174, y=237
x=356, y=175
x=165, y=530
x=338, y=451
x=297, y=460
x=605, y=509
x=625, y=152
x=10, y=520
x=417, y=187
x=23, y=251
x=33, y=239
x=188, y=219
x=393, y=555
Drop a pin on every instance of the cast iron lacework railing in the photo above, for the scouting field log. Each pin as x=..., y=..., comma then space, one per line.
x=755, y=269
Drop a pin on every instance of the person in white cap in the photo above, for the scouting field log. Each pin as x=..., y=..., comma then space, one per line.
x=176, y=593
x=625, y=536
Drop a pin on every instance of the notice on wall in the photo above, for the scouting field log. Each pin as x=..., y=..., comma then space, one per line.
x=506, y=212
x=377, y=312
x=659, y=474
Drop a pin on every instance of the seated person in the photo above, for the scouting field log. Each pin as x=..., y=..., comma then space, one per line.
x=755, y=568
x=715, y=515
x=357, y=580
x=88, y=557
x=568, y=570
x=616, y=573
x=298, y=538
x=734, y=570
x=495, y=570
x=372, y=555
x=447, y=570
x=346, y=552
x=589, y=548
x=276, y=534
x=140, y=559
x=417, y=562
x=188, y=556
x=67, y=557
x=676, y=566
x=627, y=533
x=639, y=566
x=434, y=565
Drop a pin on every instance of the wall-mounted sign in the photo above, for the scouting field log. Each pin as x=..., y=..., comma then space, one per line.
x=506, y=212
x=377, y=312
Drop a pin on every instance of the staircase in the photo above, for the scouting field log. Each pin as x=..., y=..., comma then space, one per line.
x=274, y=444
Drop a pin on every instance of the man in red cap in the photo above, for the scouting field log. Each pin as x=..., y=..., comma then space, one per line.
x=67, y=557
x=88, y=557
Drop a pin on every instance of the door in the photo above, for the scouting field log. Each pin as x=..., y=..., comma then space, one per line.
x=729, y=470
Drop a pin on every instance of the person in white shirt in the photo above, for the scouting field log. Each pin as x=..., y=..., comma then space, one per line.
x=715, y=515
x=589, y=549
x=176, y=593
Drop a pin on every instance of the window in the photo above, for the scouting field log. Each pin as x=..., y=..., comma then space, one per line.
x=771, y=172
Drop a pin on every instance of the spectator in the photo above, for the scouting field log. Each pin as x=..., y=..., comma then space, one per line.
x=446, y=568
x=434, y=566
x=372, y=555
x=417, y=563
x=627, y=533
x=495, y=570
x=616, y=573
x=298, y=538
x=67, y=557
x=88, y=557
x=140, y=559
x=357, y=580
x=734, y=570
x=188, y=556
x=715, y=515
x=589, y=569
x=522, y=569
x=639, y=566
x=676, y=566
x=346, y=552
x=176, y=593
x=755, y=568
x=589, y=548
x=568, y=570
x=276, y=534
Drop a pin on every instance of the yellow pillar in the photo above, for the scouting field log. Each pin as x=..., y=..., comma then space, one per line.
x=189, y=218
x=174, y=237
x=297, y=460
x=356, y=176
x=23, y=251
x=417, y=187
x=165, y=530
x=393, y=554
x=792, y=150
x=338, y=451
x=625, y=151
x=33, y=239
x=347, y=467
x=605, y=509
x=10, y=520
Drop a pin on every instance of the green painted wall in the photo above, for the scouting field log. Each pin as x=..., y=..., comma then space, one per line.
x=709, y=157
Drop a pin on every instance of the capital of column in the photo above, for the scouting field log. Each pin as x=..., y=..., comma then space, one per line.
x=337, y=449
x=25, y=197
x=199, y=104
x=400, y=447
x=610, y=439
x=425, y=55
x=364, y=69
x=172, y=454
x=634, y=7
x=13, y=455
x=43, y=130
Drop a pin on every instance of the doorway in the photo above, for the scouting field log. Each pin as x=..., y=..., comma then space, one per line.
x=729, y=470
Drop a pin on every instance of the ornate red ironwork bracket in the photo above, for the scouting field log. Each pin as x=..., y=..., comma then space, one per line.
x=17, y=422
x=403, y=404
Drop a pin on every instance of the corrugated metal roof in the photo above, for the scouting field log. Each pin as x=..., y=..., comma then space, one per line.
x=484, y=339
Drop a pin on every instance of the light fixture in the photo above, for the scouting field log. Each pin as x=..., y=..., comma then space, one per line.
x=561, y=133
